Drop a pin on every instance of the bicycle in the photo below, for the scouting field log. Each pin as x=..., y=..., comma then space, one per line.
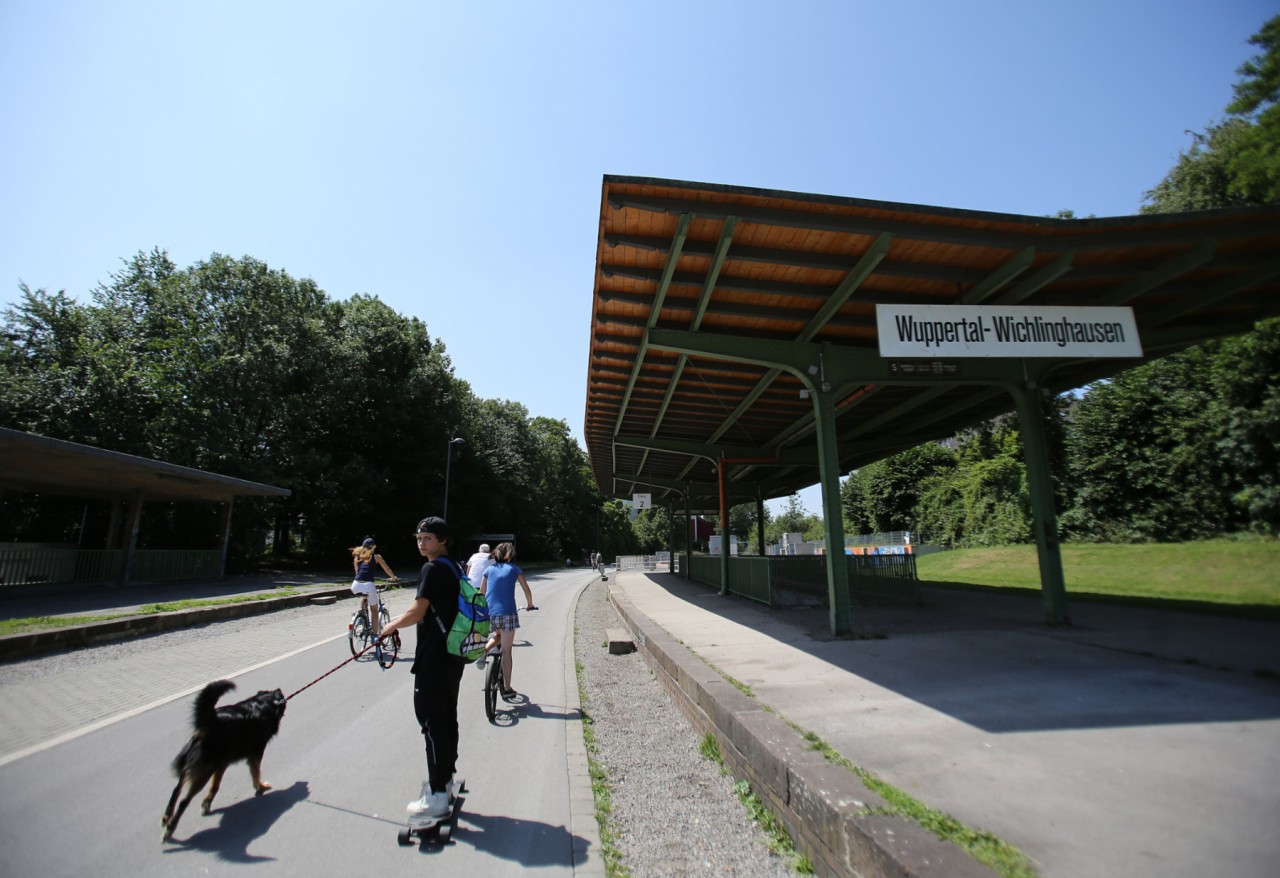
x=360, y=635
x=495, y=681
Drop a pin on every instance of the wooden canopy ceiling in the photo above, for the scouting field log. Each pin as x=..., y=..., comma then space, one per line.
x=690, y=275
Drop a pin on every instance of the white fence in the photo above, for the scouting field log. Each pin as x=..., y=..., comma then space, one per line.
x=650, y=563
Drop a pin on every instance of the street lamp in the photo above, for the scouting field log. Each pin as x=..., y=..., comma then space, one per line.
x=448, y=459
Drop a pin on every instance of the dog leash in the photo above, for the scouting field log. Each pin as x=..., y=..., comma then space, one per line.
x=327, y=673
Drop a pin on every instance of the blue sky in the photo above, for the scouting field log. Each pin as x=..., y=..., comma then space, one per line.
x=448, y=158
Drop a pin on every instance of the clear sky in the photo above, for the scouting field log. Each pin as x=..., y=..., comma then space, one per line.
x=447, y=157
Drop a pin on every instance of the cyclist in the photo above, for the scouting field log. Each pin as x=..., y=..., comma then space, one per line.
x=499, y=588
x=477, y=564
x=363, y=557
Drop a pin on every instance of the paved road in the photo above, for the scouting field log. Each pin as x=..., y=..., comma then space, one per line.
x=85, y=747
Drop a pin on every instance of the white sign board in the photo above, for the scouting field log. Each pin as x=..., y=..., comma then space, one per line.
x=1006, y=331
x=642, y=501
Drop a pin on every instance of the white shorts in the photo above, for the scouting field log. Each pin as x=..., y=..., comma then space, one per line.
x=368, y=589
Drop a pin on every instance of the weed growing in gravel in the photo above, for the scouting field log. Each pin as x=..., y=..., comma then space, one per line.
x=710, y=750
x=613, y=865
x=777, y=839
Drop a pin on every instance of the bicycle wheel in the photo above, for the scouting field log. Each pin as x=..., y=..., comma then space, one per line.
x=389, y=650
x=358, y=632
x=492, y=686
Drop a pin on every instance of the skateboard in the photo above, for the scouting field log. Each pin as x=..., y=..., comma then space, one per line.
x=422, y=829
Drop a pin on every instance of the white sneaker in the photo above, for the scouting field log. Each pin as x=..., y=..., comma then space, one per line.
x=438, y=805
x=422, y=804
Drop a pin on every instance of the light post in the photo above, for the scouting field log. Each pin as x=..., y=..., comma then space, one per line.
x=448, y=460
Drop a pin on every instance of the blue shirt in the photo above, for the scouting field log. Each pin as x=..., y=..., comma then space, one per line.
x=501, y=590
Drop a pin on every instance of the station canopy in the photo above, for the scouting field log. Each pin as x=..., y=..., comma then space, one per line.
x=712, y=303
x=54, y=466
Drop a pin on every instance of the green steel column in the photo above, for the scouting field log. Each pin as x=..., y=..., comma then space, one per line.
x=688, y=540
x=760, y=523
x=832, y=515
x=724, y=530
x=1040, y=481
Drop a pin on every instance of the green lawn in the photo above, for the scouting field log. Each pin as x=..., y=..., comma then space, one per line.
x=1233, y=573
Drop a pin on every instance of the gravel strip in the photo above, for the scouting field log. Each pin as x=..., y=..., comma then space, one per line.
x=674, y=812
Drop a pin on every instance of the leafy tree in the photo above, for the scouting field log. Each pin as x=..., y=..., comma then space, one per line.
x=794, y=519
x=1141, y=456
x=983, y=502
x=887, y=491
x=1255, y=161
x=1236, y=161
x=652, y=528
x=566, y=492
x=616, y=534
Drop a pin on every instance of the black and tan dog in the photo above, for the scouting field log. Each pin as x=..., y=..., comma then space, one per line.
x=223, y=735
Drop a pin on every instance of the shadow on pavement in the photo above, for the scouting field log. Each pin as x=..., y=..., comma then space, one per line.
x=240, y=825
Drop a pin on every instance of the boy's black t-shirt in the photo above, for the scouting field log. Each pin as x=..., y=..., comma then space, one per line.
x=438, y=583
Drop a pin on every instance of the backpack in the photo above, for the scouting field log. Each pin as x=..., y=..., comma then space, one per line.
x=470, y=631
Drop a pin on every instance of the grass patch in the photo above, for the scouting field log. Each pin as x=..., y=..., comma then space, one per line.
x=41, y=623
x=1236, y=577
x=600, y=790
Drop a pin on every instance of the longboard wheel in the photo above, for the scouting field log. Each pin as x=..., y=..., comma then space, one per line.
x=405, y=838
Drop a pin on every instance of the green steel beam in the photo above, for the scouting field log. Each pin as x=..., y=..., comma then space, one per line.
x=1192, y=259
x=1038, y=281
x=1222, y=290
x=993, y=283
x=677, y=244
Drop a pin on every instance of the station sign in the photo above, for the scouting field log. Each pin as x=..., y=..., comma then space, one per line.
x=1006, y=331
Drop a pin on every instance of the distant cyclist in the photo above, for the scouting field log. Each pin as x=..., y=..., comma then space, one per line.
x=499, y=588
x=363, y=557
x=477, y=564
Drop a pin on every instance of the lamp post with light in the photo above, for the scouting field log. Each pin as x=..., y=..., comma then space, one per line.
x=448, y=460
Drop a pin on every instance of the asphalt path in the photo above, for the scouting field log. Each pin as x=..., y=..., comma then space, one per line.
x=87, y=797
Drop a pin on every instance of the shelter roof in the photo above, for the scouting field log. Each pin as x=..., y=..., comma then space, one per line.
x=54, y=466
x=692, y=279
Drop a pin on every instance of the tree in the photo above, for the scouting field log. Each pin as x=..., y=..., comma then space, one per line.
x=1142, y=455
x=1255, y=161
x=887, y=491
x=1236, y=161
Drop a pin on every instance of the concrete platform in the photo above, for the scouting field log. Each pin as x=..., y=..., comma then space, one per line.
x=1138, y=742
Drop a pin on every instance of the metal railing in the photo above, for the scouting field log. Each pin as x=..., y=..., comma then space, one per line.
x=28, y=566
x=873, y=579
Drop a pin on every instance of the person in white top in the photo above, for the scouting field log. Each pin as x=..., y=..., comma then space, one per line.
x=478, y=563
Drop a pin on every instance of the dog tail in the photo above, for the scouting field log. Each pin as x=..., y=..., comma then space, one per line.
x=207, y=703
